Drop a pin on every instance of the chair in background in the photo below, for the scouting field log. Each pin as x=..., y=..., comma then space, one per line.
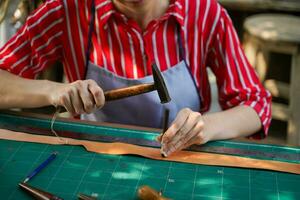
x=279, y=33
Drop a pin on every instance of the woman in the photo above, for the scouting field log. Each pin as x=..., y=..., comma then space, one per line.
x=107, y=44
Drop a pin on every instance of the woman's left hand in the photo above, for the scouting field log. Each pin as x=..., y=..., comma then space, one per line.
x=186, y=130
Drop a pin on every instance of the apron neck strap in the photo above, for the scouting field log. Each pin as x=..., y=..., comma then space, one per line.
x=180, y=43
x=91, y=30
x=90, y=33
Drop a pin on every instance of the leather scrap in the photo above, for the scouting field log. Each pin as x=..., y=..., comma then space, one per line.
x=154, y=153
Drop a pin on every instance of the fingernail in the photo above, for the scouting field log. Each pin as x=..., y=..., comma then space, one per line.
x=157, y=139
x=163, y=153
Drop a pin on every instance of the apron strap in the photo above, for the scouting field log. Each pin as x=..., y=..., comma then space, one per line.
x=91, y=30
x=182, y=57
x=90, y=33
x=180, y=43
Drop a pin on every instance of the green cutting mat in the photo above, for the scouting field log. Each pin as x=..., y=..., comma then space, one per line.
x=117, y=177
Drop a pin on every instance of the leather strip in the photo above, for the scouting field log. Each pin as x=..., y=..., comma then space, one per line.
x=154, y=153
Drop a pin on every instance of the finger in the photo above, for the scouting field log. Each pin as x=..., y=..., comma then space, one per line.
x=87, y=99
x=88, y=103
x=173, y=150
x=159, y=137
x=181, y=134
x=190, y=137
x=76, y=100
x=176, y=125
x=97, y=93
x=65, y=101
x=197, y=139
x=195, y=133
x=189, y=143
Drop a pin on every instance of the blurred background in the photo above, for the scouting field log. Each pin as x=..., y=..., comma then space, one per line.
x=269, y=31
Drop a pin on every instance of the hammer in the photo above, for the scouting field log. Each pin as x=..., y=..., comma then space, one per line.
x=158, y=85
x=120, y=93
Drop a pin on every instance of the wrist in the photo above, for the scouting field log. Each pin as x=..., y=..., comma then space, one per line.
x=208, y=132
x=50, y=92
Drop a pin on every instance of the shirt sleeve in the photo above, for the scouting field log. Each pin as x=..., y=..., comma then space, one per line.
x=237, y=81
x=37, y=43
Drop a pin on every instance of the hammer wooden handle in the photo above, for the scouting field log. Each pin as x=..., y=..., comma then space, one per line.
x=128, y=91
x=122, y=93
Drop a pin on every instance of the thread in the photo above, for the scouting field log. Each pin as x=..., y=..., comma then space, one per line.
x=54, y=117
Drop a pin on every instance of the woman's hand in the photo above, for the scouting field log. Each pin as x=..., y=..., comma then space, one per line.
x=82, y=96
x=186, y=130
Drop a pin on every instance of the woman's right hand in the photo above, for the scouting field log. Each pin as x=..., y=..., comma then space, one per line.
x=79, y=97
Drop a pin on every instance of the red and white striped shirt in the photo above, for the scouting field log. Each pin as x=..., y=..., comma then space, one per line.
x=58, y=30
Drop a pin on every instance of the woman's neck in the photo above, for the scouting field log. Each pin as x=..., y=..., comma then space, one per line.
x=142, y=11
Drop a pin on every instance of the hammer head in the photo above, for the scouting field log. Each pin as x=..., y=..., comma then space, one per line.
x=160, y=85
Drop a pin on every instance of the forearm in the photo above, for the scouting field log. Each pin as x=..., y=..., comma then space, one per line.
x=82, y=96
x=17, y=92
x=239, y=121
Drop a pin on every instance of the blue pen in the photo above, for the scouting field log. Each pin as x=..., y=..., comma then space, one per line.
x=40, y=167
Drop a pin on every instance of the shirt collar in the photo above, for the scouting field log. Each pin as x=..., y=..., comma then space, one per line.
x=105, y=10
x=176, y=10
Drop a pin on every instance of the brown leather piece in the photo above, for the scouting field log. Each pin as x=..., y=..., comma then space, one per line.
x=154, y=153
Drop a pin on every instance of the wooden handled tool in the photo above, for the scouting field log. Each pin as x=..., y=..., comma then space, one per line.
x=38, y=193
x=147, y=193
x=158, y=85
x=129, y=91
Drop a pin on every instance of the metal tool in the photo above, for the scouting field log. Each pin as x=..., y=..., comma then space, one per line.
x=8, y=120
x=85, y=197
x=165, y=126
x=38, y=193
x=165, y=120
x=152, y=143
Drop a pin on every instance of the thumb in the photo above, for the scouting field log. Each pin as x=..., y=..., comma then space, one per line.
x=159, y=137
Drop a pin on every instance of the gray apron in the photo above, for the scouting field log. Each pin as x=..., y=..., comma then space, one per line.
x=145, y=109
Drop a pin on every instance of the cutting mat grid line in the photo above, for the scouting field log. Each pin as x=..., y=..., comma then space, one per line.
x=109, y=181
x=84, y=173
x=249, y=179
x=194, y=186
x=33, y=166
x=140, y=177
x=11, y=157
x=222, y=183
x=117, y=177
x=58, y=169
x=276, y=179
